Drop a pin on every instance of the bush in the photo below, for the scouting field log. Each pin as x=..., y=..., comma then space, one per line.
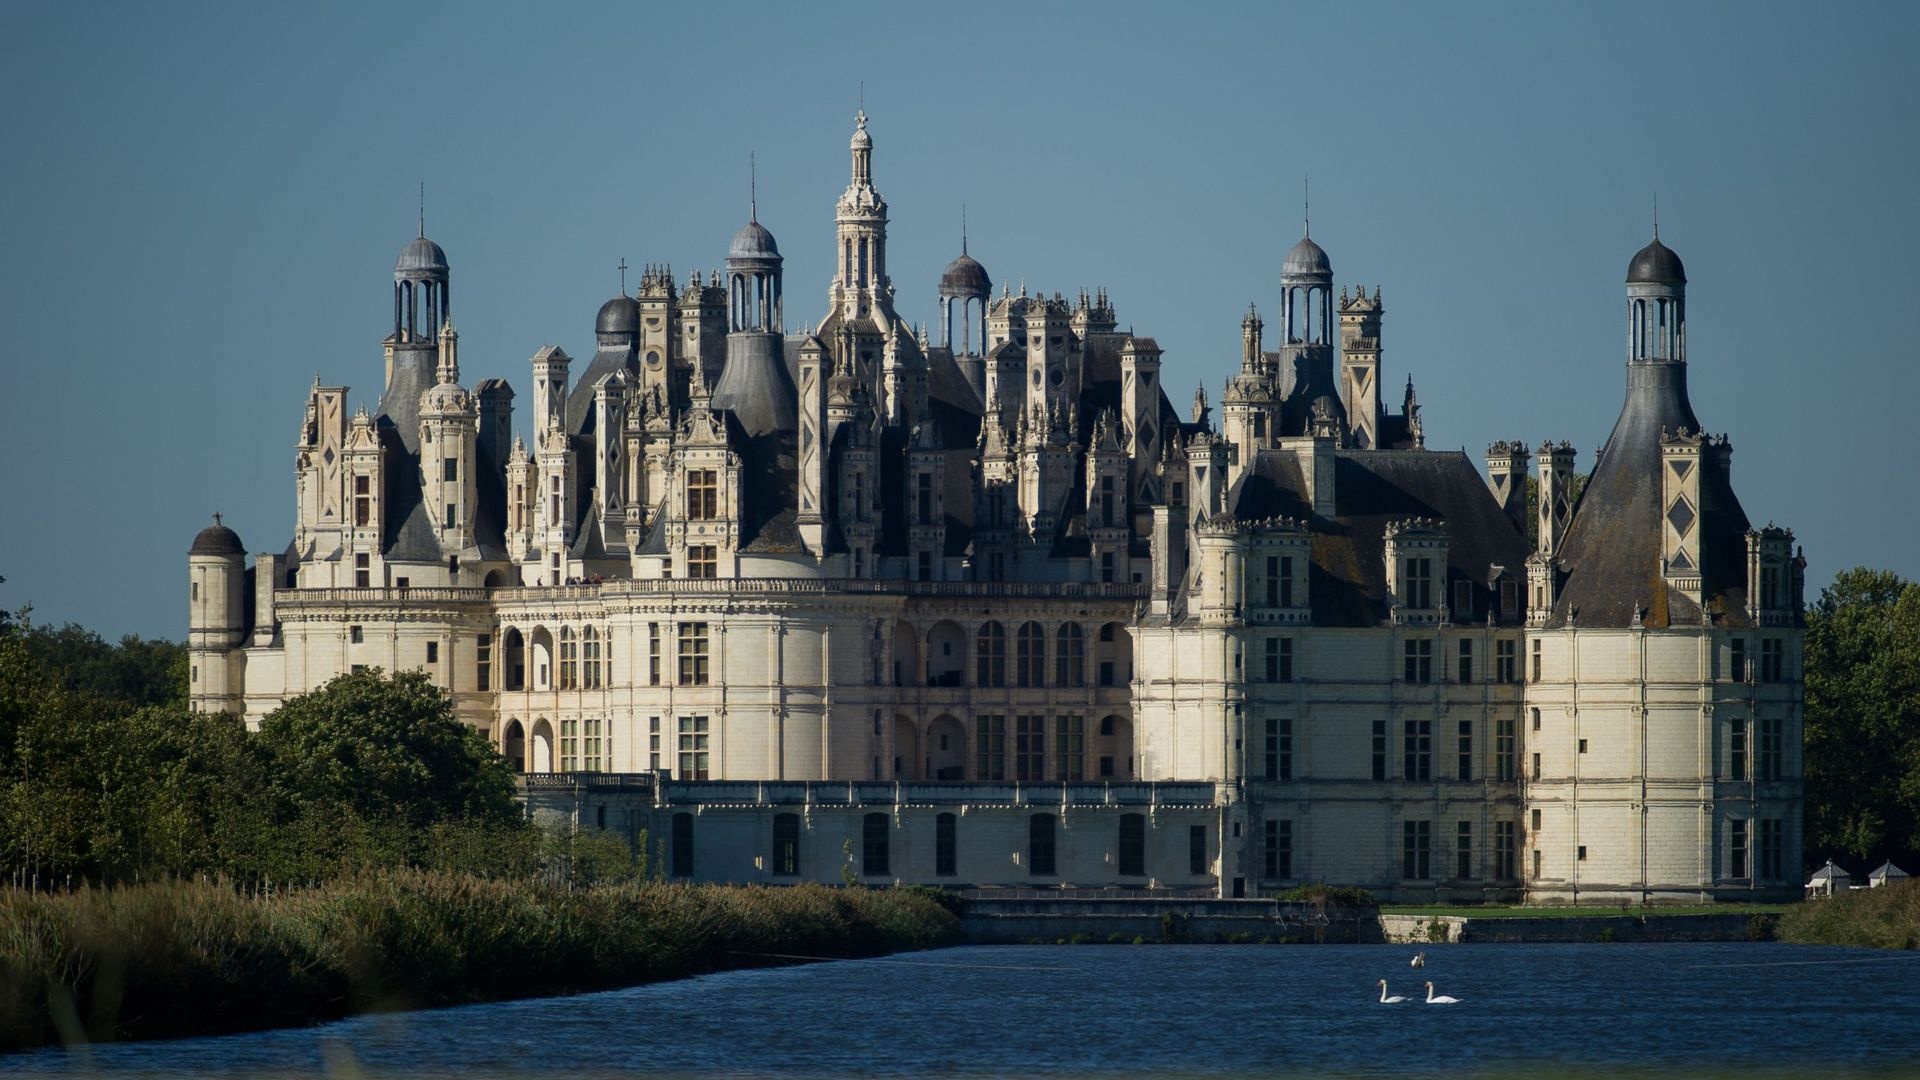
x=1324, y=897
x=1884, y=918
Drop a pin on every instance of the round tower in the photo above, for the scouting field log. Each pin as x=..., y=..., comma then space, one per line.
x=216, y=621
x=422, y=296
x=1656, y=305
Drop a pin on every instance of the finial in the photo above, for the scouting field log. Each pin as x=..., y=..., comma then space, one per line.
x=216, y=517
x=753, y=189
x=1656, y=215
x=623, y=275
x=963, y=228
x=423, y=209
x=1306, y=207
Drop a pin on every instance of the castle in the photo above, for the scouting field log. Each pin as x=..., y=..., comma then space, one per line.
x=983, y=608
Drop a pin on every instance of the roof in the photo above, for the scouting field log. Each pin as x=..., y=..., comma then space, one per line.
x=965, y=276
x=1656, y=264
x=1306, y=259
x=1829, y=872
x=580, y=417
x=1887, y=872
x=620, y=315
x=754, y=385
x=421, y=257
x=753, y=242
x=216, y=539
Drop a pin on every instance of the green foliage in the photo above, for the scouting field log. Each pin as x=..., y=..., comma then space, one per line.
x=1863, y=719
x=182, y=958
x=1884, y=918
x=1324, y=897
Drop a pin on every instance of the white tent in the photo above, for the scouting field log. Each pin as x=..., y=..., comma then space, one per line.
x=1886, y=875
x=1828, y=880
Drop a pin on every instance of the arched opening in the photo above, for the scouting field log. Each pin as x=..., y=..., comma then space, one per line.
x=541, y=758
x=1113, y=655
x=946, y=655
x=906, y=655
x=540, y=659
x=1070, y=656
x=1113, y=747
x=513, y=746
x=1030, y=655
x=946, y=749
x=990, y=657
x=514, y=650
x=495, y=579
x=906, y=749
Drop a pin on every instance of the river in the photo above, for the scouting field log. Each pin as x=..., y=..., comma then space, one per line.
x=1740, y=1010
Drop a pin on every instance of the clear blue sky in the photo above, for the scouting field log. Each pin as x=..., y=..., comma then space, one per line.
x=200, y=205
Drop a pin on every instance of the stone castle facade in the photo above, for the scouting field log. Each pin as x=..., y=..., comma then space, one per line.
x=983, y=608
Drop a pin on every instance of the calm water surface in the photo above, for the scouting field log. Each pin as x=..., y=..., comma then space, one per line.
x=1527, y=1010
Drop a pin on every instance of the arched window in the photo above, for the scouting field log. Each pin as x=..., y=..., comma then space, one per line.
x=873, y=845
x=569, y=659
x=786, y=845
x=513, y=746
x=1030, y=655
x=590, y=659
x=514, y=649
x=1070, y=656
x=991, y=656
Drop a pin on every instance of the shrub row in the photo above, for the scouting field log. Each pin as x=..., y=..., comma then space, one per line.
x=1883, y=918
x=186, y=958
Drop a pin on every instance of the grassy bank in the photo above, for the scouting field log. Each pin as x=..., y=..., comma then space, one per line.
x=1883, y=918
x=1491, y=911
x=166, y=960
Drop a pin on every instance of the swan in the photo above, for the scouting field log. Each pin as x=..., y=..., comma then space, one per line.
x=1441, y=999
x=1385, y=1000
x=1419, y=959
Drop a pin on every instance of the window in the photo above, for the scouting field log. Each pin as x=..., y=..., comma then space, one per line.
x=1536, y=825
x=1536, y=766
x=1504, y=662
x=1465, y=763
x=873, y=845
x=446, y=516
x=1462, y=603
x=1580, y=853
x=359, y=669
x=693, y=654
x=1583, y=746
x=945, y=845
x=1029, y=748
x=1070, y=656
x=1419, y=656
x=990, y=745
x=449, y=469
x=1069, y=748
x=990, y=668
x=590, y=745
x=1737, y=666
x=1503, y=750
x=433, y=652
x=1277, y=849
x=1416, y=850
x=1772, y=660
x=362, y=501
x=1030, y=655
x=703, y=561
x=1417, y=591
x=1279, y=756
x=703, y=494
x=693, y=748
x=1772, y=849
x=483, y=662
x=1536, y=718
x=1768, y=760
x=569, y=659
x=682, y=846
x=925, y=563
x=1418, y=747
x=1737, y=751
x=1466, y=660
x=1279, y=659
x=1509, y=598
x=653, y=654
x=1534, y=676
x=1379, y=749
x=590, y=658
x=362, y=576
x=653, y=743
x=1463, y=851
x=923, y=499
x=1737, y=849
x=1197, y=849
x=354, y=635
x=553, y=502
x=786, y=845
x=1040, y=845
x=1770, y=587
x=1505, y=848
x=569, y=745
x=1132, y=851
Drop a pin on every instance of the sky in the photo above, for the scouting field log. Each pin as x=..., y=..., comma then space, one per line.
x=200, y=205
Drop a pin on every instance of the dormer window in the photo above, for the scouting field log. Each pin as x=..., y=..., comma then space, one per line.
x=1416, y=589
x=703, y=494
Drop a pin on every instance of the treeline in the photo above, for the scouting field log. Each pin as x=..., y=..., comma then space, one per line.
x=106, y=777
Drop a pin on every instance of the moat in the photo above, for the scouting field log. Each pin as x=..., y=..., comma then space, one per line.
x=1600, y=1009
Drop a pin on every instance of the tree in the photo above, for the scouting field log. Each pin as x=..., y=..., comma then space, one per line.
x=386, y=749
x=1863, y=718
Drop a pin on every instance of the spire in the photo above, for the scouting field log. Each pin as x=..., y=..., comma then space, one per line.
x=753, y=189
x=1306, y=208
x=423, y=209
x=1656, y=215
x=963, y=228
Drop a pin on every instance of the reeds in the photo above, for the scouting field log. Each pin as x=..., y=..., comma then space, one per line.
x=186, y=958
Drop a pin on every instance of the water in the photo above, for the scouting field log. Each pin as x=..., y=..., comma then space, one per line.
x=1604, y=1010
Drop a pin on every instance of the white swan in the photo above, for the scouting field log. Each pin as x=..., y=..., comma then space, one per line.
x=1419, y=959
x=1441, y=999
x=1395, y=999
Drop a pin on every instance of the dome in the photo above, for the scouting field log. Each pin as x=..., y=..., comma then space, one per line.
x=753, y=242
x=1656, y=264
x=861, y=140
x=965, y=277
x=620, y=315
x=217, y=539
x=421, y=256
x=1307, y=259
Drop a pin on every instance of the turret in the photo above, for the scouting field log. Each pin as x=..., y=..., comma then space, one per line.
x=449, y=455
x=1360, y=365
x=216, y=622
